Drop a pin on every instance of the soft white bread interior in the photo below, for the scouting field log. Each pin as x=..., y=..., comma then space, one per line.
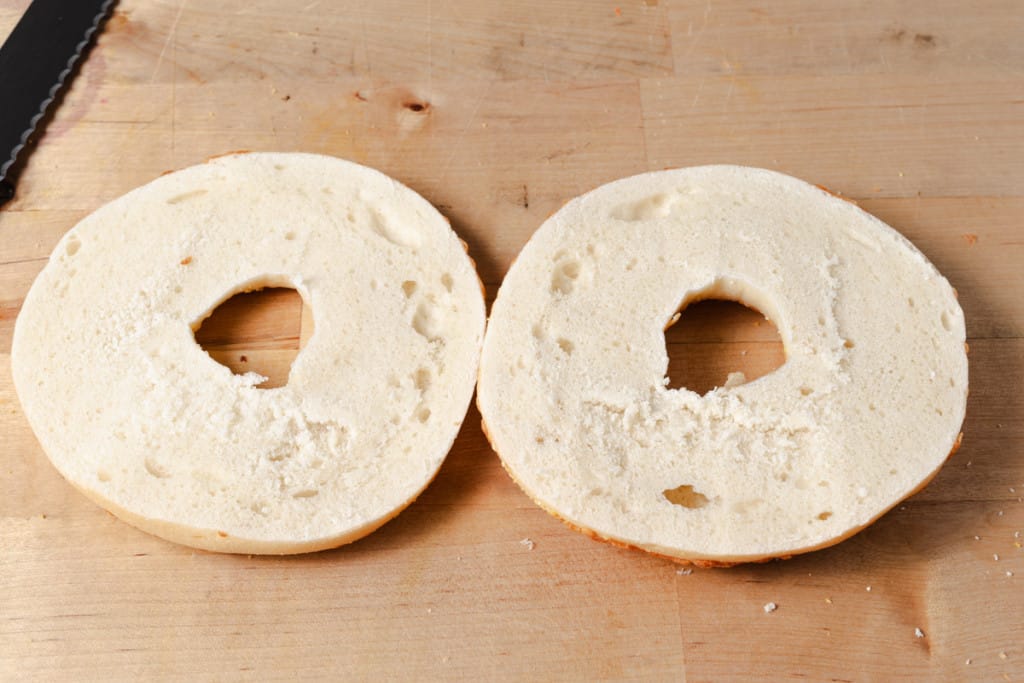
x=135, y=414
x=866, y=408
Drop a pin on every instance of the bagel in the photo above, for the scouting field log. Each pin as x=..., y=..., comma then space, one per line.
x=138, y=417
x=865, y=409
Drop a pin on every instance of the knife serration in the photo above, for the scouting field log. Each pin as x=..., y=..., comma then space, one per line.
x=35, y=61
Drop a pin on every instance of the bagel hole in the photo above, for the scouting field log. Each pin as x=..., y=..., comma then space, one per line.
x=714, y=339
x=260, y=331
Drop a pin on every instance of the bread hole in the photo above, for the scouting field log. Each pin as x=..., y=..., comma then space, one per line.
x=946, y=324
x=289, y=235
x=657, y=205
x=185, y=196
x=848, y=344
x=427, y=321
x=714, y=338
x=685, y=496
x=305, y=493
x=72, y=246
x=566, y=346
x=447, y=282
x=564, y=277
x=155, y=469
x=258, y=331
x=421, y=378
x=632, y=264
x=423, y=414
x=397, y=232
x=409, y=288
x=103, y=475
x=806, y=391
x=824, y=515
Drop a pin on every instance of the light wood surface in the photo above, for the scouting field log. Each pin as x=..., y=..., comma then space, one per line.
x=498, y=112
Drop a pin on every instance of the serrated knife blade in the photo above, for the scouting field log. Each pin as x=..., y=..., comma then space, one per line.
x=35, y=61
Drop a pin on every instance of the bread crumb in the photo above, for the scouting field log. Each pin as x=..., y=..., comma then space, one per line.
x=970, y=238
x=684, y=571
x=995, y=557
x=999, y=514
x=968, y=662
x=828, y=600
x=918, y=633
x=770, y=607
x=1002, y=655
x=868, y=589
x=977, y=538
x=1009, y=573
x=527, y=543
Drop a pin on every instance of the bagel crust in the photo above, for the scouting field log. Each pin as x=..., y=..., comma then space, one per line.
x=862, y=414
x=138, y=417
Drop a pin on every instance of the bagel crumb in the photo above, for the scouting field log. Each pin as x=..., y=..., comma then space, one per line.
x=770, y=607
x=527, y=543
x=684, y=571
x=918, y=633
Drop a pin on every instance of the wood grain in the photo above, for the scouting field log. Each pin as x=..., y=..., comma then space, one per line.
x=498, y=112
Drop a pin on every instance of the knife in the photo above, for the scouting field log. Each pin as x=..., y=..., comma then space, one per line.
x=35, y=61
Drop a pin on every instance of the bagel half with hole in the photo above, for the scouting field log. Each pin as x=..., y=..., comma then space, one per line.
x=864, y=411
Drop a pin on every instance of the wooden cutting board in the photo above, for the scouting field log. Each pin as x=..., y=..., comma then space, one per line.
x=498, y=112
